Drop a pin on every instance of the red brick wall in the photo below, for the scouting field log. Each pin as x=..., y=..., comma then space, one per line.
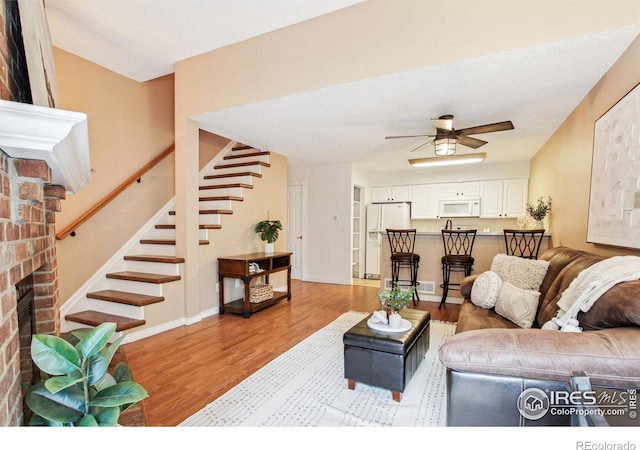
x=27, y=245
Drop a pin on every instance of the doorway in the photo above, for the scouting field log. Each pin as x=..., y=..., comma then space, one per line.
x=295, y=207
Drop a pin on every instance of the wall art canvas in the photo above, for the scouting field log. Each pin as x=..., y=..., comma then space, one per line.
x=614, y=203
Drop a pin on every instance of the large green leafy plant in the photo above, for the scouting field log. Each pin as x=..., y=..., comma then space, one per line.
x=77, y=389
x=268, y=230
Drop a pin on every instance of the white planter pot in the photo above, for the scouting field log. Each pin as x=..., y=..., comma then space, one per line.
x=395, y=320
x=268, y=248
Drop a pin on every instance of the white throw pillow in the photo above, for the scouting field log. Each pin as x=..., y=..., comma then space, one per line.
x=485, y=290
x=521, y=272
x=517, y=305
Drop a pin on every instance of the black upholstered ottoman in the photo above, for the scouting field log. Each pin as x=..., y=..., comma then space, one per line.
x=385, y=359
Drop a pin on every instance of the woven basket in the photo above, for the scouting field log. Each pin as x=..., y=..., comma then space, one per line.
x=260, y=293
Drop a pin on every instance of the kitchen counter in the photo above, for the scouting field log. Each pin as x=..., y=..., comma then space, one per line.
x=431, y=249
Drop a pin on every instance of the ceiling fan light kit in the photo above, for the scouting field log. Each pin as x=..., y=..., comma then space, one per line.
x=445, y=147
x=439, y=161
x=447, y=137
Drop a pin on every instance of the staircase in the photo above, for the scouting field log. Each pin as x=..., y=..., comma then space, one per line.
x=138, y=279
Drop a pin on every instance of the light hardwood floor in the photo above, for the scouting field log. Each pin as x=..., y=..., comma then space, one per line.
x=186, y=368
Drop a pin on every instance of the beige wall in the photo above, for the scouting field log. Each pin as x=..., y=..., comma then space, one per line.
x=562, y=167
x=129, y=124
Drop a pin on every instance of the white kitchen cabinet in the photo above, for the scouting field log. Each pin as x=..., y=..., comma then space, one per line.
x=383, y=194
x=503, y=198
x=460, y=191
x=425, y=201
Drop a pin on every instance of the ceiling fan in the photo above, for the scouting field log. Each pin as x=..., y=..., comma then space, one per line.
x=446, y=137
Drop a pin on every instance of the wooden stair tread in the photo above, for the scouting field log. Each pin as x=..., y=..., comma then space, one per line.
x=201, y=226
x=155, y=258
x=242, y=147
x=166, y=241
x=95, y=318
x=215, y=211
x=127, y=298
x=242, y=164
x=228, y=185
x=221, y=197
x=231, y=175
x=247, y=155
x=144, y=277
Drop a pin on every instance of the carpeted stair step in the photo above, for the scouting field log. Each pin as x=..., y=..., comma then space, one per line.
x=143, y=277
x=234, y=174
x=95, y=318
x=125, y=298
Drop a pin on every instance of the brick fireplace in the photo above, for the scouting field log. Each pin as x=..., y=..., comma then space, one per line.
x=28, y=203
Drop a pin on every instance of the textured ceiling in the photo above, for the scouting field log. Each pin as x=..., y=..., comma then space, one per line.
x=142, y=39
x=536, y=87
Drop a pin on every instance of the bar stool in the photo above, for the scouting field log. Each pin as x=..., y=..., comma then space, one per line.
x=523, y=243
x=458, y=245
x=402, y=243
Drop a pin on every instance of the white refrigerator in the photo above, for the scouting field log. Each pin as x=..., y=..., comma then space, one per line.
x=381, y=216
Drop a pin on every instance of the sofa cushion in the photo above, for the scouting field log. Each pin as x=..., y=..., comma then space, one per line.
x=618, y=307
x=473, y=317
x=485, y=290
x=517, y=305
x=521, y=272
x=610, y=357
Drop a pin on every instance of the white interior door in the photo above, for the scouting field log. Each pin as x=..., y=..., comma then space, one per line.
x=295, y=226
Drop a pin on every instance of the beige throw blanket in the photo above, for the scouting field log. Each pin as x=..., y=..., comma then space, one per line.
x=589, y=286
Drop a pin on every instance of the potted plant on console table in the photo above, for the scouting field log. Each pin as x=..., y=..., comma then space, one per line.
x=268, y=230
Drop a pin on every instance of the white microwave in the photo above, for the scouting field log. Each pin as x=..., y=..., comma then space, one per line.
x=460, y=208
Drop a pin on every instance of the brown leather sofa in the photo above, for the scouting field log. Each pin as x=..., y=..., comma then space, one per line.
x=491, y=362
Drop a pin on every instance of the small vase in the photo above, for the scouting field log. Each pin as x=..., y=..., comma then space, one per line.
x=395, y=320
x=268, y=248
x=539, y=225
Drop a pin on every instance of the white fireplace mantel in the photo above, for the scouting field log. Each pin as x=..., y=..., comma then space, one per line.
x=58, y=137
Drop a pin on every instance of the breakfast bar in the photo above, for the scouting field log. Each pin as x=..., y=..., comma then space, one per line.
x=430, y=248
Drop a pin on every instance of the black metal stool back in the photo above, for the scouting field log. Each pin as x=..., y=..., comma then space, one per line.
x=523, y=243
x=402, y=243
x=458, y=245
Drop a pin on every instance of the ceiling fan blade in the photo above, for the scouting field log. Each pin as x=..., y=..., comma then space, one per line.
x=412, y=136
x=470, y=142
x=443, y=123
x=420, y=146
x=489, y=128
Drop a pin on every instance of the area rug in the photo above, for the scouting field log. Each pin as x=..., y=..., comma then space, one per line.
x=305, y=387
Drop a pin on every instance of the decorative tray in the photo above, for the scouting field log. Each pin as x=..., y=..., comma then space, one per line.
x=405, y=325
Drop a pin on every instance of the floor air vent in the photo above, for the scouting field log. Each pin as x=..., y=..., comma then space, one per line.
x=424, y=287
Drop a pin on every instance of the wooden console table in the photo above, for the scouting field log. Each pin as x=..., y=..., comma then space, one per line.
x=239, y=267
